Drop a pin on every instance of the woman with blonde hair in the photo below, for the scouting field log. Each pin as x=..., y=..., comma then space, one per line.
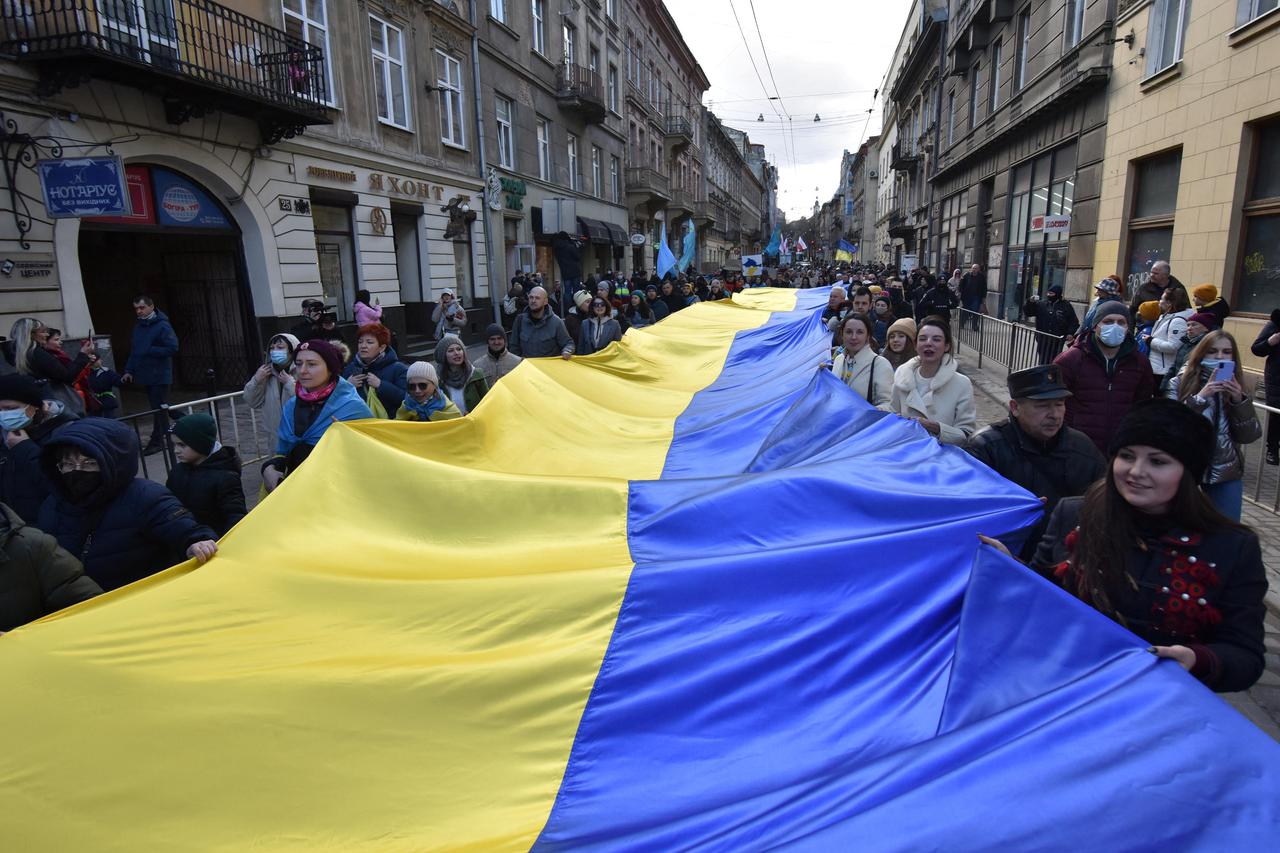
x=1212, y=384
x=31, y=357
x=900, y=342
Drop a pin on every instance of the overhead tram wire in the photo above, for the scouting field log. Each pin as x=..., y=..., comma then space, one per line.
x=756, y=68
x=776, y=91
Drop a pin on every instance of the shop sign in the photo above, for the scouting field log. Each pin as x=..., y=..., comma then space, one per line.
x=181, y=203
x=27, y=270
x=83, y=186
x=340, y=175
x=405, y=186
x=1052, y=222
x=142, y=210
x=637, y=239
x=516, y=191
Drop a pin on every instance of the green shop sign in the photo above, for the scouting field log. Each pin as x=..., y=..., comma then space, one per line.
x=515, y=190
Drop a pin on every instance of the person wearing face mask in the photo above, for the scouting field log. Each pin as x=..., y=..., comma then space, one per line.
x=271, y=385
x=1212, y=384
x=460, y=380
x=930, y=389
x=1198, y=325
x=497, y=361
x=425, y=401
x=28, y=423
x=1054, y=316
x=882, y=317
x=376, y=371
x=1147, y=548
x=1105, y=376
x=123, y=528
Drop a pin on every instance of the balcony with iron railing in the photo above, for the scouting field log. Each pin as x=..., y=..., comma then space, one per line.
x=679, y=132
x=681, y=203
x=900, y=224
x=580, y=89
x=197, y=55
x=704, y=213
x=648, y=186
x=904, y=157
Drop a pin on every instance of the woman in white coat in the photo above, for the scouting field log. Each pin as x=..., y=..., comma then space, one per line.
x=930, y=390
x=860, y=367
x=1166, y=334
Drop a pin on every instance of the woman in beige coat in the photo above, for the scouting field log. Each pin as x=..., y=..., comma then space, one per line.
x=269, y=387
x=860, y=367
x=930, y=389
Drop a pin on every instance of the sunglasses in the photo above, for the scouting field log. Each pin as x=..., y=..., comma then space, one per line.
x=419, y=386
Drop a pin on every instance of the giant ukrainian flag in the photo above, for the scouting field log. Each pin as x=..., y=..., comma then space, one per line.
x=685, y=593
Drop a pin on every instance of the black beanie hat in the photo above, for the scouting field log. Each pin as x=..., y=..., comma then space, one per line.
x=494, y=330
x=22, y=388
x=197, y=431
x=1172, y=427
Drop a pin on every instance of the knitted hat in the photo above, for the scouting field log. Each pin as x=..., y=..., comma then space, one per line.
x=422, y=371
x=20, y=388
x=875, y=288
x=199, y=432
x=1169, y=426
x=581, y=298
x=1106, y=309
x=495, y=329
x=1107, y=285
x=1149, y=311
x=1205, y=292
x=1205, y=318
x=328, y=352
x=905, y=325
x=289, y=339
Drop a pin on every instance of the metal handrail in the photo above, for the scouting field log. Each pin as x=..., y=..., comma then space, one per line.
x=1013, y=346
x=230, y=414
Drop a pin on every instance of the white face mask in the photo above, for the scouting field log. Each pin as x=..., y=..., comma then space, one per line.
x=1112, y=335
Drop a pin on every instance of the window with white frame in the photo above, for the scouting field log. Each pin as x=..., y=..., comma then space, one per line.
x=615, y=180
x=390, y=86
x=505, y=110
x=308, y=20
x=1074, y=25
x=1247, y=10
x=572, y=148
x=613, y=87
x=449, y=84
x=544, y=149
x=611, y=9
x=1021, y=50
x=593, y=62
x=570, y=44
x=1165, y=31
x=539, y=25
x=498, y=10
x=597, y=172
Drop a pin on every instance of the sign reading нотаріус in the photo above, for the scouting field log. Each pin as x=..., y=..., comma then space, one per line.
x=83, y=186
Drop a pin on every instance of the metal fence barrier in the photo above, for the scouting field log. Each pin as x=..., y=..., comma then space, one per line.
x=233, y=416
x=1011, y=345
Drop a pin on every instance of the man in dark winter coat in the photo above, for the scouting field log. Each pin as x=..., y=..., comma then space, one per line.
x=151, y=363
x=568, y=252
x=1035, y=448
x=1054, y=316
x=1105, y=376
x=37, y=577
x=1159, y=280
x=973, y=291
x=538, y=332
x=937, y=300
x=1267, y=345
x=123, y=529
x=28, y=423
x=207, y=476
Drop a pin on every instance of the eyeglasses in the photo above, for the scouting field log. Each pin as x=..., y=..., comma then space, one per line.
x=419, y=386
x=67, y=466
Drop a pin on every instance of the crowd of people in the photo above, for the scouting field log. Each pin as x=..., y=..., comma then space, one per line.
x=1132, y=433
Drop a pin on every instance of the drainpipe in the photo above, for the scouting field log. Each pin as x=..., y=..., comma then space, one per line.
x=935, y=210
x=494, y=298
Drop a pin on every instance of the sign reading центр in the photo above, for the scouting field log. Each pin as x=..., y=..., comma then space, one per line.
x=83, y=186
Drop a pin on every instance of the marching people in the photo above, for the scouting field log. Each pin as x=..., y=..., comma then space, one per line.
x=837, y=307
x=424, y=400
x=1035, y=448
x=150, y=364
x=122, y=527
x=1054, y=316
x=638, y=314
x=28, y=422
x=1147, y=548
x=656, y=305
x=366, y=309
x=1159, y=281
x=1144, y=323
x=322, y=398
x=935, y=299
x=448, y=315
x=1266, y=345
x=930, y=389
x=37, y=575
x=1208, y=300
x=599, y=329
x=376, y=371
x=1198, y=325
x=31, y=357
x=497, y=360
x=1212, y=384
x=1106, y=375
x=538, y=332
x=272, y=384
x=883, y=317
x=900, y=342
x=460, y=380
x=1107, y=290
x=675, y=301
x=207, y=476
x=577, y=315
x=860, y=367
x=1167, y=332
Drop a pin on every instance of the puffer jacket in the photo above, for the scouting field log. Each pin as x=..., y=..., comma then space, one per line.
x=151, y=354
x=23, y=485
x=949, y=400
x=37, y=577
x=128, y=528
x=1166, y=339
x=391, y=370
x=1103, y=389
x=1235, y=424
x=212, y=490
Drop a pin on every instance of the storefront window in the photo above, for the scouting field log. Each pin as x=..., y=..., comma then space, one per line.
x=1260, y=269
x=1036, y=256
x=335, y=251
x=1155, y=198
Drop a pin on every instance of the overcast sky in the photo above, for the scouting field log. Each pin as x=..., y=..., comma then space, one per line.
x=828, y=57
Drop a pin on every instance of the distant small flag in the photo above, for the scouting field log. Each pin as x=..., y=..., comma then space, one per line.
x=800, y=246
x=786, y=246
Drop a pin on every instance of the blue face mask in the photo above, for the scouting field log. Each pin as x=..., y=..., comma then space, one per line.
x=279, y=357
x=1211, y=363
x=12, y=419
x=1112, y=335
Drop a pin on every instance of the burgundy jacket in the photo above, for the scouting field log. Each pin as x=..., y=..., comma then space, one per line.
x=1102, y=391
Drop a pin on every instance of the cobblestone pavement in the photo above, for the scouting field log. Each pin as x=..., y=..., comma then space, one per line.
x=1261, y=704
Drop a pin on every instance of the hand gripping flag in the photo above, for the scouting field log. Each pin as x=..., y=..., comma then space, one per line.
x=604, y=644
x=666, y=259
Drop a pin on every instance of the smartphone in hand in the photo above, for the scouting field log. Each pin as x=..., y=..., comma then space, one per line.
x=1225, y=372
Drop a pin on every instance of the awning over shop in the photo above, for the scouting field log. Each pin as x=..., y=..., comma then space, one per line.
x=618, y=234
x=596, y=230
